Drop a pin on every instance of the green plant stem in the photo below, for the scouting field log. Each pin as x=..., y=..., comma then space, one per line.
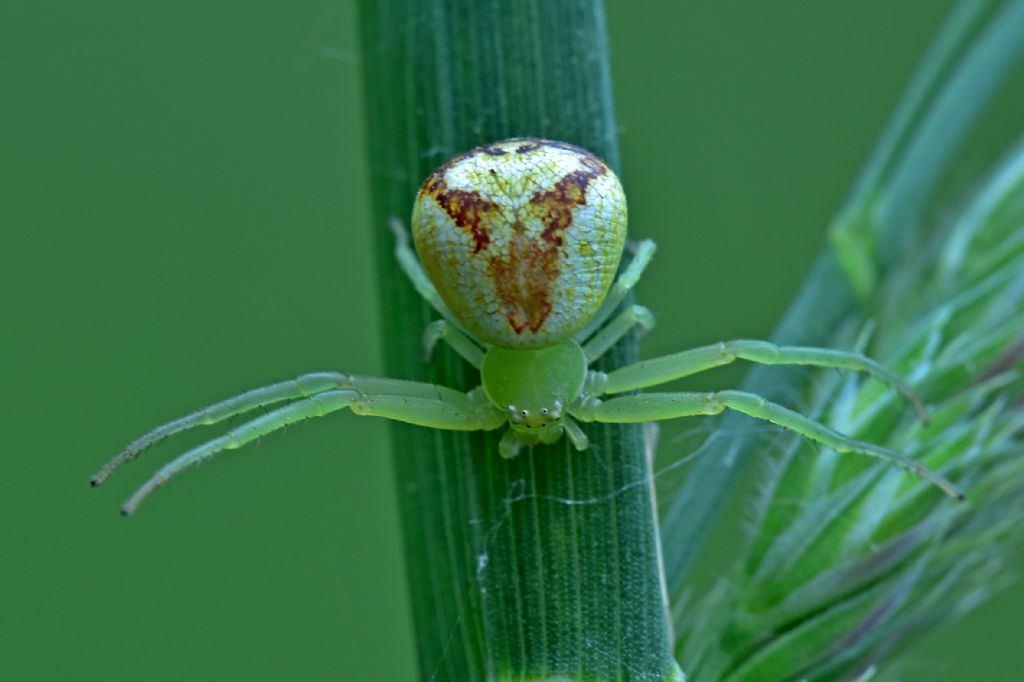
x=547, y=565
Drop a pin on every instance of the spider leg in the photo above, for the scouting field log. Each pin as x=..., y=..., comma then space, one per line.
x=439, y=330
x=575, y=434
x=428, y=405
x=300, y=387
x=644, y=251
x=660, y=370
x=645, y=407
x=633, y=316
x=512, y=443
x=412, y=268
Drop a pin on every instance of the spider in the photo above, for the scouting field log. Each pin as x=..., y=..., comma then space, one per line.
x=520, y=242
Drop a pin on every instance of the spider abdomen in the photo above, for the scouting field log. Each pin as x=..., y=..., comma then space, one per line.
x=522, y=239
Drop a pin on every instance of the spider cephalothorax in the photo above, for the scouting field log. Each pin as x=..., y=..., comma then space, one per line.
x=520, y=241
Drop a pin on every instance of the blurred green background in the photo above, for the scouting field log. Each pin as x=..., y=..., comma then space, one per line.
x=184, y=215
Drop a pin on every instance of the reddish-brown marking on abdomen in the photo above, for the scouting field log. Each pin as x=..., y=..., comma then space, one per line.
x=522, y=280
x=466, y=208
x=558, y=202
x=529, y=146
x=523, y=276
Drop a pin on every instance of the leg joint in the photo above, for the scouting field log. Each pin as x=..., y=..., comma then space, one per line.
x=585, y=409
x=595, y=384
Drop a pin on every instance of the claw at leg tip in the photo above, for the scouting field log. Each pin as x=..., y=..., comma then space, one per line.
x=954, y=492
x=99, y=478
x=129, y=507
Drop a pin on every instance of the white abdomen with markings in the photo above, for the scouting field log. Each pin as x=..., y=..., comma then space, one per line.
x=522, y=239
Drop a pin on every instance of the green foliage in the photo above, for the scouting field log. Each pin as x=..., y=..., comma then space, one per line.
x=968, y=61
x=848, y=559
x=974, y=53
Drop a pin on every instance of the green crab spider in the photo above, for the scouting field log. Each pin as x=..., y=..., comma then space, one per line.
x=519, y=243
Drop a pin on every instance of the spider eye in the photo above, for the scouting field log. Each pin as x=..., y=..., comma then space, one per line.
x=544, y=411
x=525, y=413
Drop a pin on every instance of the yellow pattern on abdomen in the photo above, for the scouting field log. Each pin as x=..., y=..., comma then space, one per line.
x=522, y=239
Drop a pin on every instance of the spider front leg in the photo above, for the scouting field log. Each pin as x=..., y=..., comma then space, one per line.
x=300, y=387
x=646, y=407
x=660, y=370
x=412, y=402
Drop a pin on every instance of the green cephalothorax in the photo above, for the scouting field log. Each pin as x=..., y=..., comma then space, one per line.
x=534, y=387
x=520, y=272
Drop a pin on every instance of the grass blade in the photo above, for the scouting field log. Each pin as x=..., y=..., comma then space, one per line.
x=547, y=565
